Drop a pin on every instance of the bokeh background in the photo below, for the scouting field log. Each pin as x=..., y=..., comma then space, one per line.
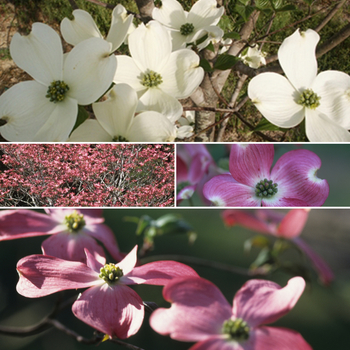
x=334, y=168
x=322, y=314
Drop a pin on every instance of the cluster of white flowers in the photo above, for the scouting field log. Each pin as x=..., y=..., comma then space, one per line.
x=133, y=98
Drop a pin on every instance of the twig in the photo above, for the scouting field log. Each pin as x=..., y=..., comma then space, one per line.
x=199, y=261
x=330, y=15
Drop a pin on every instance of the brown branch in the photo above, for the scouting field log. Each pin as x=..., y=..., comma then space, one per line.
x=146, y=8
x=330, y=15
x=73, y=4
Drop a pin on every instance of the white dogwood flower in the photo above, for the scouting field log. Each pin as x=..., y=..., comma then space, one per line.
x=186, y=125
x=323, y=99
x=46, y=108
x=254, y=57
x=188, y=27
x=116, y=121
x=159, y=76
x=84, y=27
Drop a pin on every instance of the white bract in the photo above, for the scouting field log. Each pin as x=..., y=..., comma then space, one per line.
x=84, y=27
x=159, y=76
x=188, y=27
x=116, y=121
x=254, y=57
x=323, y=99
x=46, y=109
x=186, y=125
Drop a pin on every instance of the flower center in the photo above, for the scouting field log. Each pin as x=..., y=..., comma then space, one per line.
x=187, y=29
x=74, y=222
x=266, y=188
x=119, y=139
x=237, y=329
x=110, y=273
x=151, y=79
x=309, y=99
x=57, y=91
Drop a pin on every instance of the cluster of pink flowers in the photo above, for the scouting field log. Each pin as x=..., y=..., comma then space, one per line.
x=87, y=175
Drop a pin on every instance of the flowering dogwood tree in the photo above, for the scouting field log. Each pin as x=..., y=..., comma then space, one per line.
x=180, y=57
x=104, y=288
x=87, y=175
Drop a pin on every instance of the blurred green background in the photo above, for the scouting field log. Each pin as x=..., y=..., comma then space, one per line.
x=322, y=314
x=335, y=168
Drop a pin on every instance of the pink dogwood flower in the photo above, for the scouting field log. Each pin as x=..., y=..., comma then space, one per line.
x=109, y=305
x=292, y=181
x=200, y=313
x=278, y=224
x=71, y=231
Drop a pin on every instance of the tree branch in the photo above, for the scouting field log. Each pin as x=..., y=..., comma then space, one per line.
x=330, y=15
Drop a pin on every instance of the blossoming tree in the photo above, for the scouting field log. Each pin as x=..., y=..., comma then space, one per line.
x=178, y=57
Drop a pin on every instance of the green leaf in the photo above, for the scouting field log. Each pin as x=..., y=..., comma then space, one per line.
x=205, y=65
x=225, y=61
x=244, y=11
x=210, y=47
x=264, y=124
x=81, y=117
x=289, y=7
x=262, y=3
x=244, y=2
x=277, y=4
x=257, y=241
x=202, y=39
x=224, y=163
x=232, y=35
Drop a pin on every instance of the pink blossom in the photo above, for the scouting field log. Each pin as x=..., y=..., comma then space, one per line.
x=200, y=313
x=252, y=183
x=109, y=305
x=279, y=224
x=71, y=231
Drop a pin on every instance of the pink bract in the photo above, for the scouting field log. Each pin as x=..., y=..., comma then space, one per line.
x=200, y=313
x=279, y=224
x=292, y=181
x=108, y=305
x=64, y=243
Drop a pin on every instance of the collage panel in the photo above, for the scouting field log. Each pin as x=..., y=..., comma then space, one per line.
x=86, y=175
x=166, y=279
x=262, y=175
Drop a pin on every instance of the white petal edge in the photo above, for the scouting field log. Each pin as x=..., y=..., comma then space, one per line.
x=275, y=97
x=319, y=128
x=116, y=114
x=170, y=14
x=89, y=70
x=205, y=13
x=39, y=53
x=297, y=56
x=82, y=27
x=90, y=131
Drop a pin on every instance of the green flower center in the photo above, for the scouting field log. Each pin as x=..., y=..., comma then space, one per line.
x=57, y=91
x=74, y=222
x=187, y=29
x=119, y=139
x=151, y=79
x=309, y=99
x=110, y=273
x=266, y=188
x=237, y=329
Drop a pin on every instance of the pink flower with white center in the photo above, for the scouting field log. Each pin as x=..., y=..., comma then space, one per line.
x=109, y=305
x=200, y=313
x=71, y=231
x=278, y=224
x=292, y=181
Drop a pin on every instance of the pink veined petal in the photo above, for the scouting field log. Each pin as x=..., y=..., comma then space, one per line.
x=260, y=302
x=197, y=312
x=31, y=224
x=70, y=246
x=298, y=58
x=276, y=338
x=196, y=149
x=225, y=191
x=158, y=273
x=129, y=262
x=182, y=172
x=217, y=343
x=198, y=167
x=115, y=310
x=41, y=275
x=246, y=219
x=324, y=271
x=94, y=262
x=251, y=163
x=295, y=173
x=293, y=223
x=284, y=202
x=91, y=216
x=106, y=236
